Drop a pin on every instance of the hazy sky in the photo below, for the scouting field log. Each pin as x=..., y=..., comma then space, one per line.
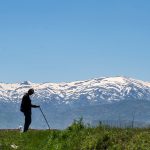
x=68, y=40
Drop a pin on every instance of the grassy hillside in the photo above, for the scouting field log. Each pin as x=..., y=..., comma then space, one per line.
x=77, y=137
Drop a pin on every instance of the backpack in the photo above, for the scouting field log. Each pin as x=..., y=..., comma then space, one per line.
x=21, y=107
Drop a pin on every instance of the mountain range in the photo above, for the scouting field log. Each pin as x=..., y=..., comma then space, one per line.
x=100, y=99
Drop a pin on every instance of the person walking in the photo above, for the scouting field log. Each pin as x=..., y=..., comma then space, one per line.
x=26, y=107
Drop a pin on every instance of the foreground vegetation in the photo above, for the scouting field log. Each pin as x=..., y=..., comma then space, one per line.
x=77, y=137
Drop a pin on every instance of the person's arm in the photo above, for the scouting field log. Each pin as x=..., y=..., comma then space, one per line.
x=35, y=106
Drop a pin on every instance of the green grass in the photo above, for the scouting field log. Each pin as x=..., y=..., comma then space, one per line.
x=77, y=137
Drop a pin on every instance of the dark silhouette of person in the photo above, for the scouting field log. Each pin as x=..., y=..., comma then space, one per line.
x=26, y=107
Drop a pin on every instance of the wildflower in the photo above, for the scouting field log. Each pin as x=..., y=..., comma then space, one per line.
x=14, y=146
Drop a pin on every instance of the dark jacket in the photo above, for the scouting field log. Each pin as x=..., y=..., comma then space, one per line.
x=26, y=104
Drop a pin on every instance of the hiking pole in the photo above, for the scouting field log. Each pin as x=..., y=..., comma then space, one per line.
x=44, y=117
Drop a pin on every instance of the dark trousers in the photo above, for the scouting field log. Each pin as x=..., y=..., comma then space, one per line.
x=27, y=121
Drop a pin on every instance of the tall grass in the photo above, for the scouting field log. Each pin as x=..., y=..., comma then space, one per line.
x=78, y=137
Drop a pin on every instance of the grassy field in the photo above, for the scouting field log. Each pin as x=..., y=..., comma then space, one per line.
x=77, y=137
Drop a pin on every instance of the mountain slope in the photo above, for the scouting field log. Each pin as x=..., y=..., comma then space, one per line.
x=101, y=89
x=95, y=99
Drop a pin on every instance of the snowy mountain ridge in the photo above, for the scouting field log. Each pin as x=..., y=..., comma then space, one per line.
x=105, y=89
x=106, y=98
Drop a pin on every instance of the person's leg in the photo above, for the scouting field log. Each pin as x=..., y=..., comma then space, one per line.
x=27, y=121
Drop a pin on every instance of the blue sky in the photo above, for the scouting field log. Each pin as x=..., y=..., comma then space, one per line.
x=59, y=41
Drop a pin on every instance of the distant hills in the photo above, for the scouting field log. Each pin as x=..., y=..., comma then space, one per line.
x=106, y=98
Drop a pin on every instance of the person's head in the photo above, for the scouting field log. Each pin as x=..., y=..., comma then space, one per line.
x=31, y=91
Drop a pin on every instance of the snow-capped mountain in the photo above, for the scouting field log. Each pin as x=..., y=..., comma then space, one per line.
x=94, y=99
x=96, y=90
